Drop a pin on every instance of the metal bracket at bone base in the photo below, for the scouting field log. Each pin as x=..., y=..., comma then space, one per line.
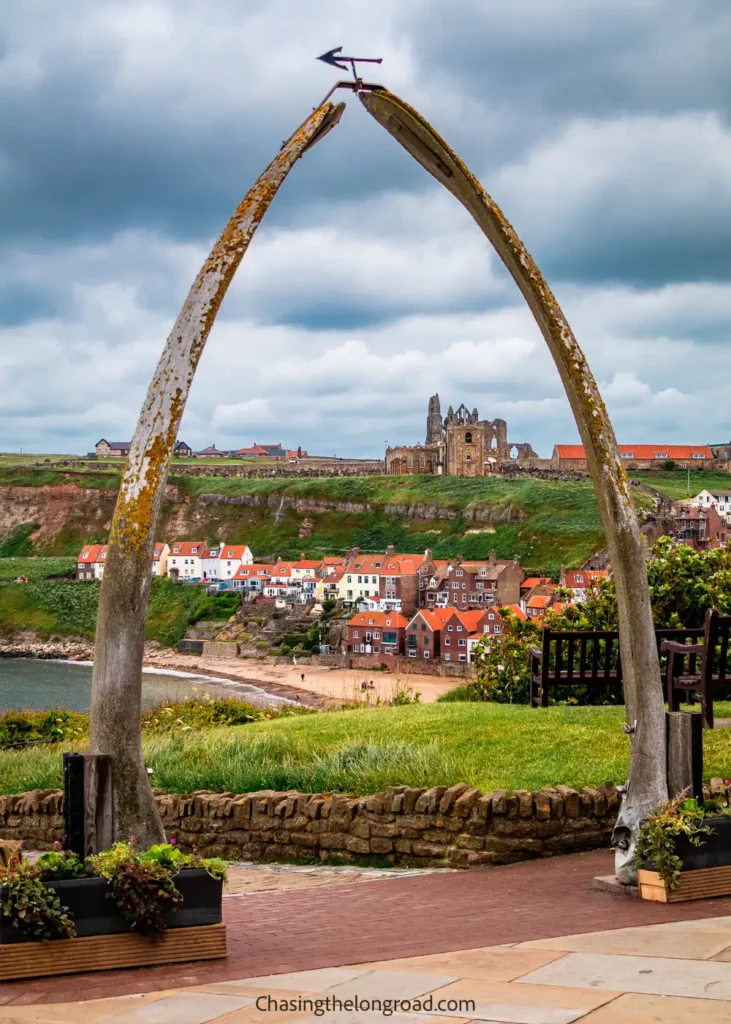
x=355, y=85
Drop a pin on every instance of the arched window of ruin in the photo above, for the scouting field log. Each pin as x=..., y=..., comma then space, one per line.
x=493, y=444
x=513, y=452
x=468, y=437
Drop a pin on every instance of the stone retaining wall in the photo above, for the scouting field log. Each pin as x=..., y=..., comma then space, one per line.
x=454, y=827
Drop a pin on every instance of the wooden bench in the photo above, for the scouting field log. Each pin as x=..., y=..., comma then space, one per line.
x=701, y=668
x=588, y=658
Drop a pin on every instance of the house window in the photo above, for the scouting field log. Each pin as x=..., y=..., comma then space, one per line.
x=426, y=654
x=486, y=629
x=432, y=583
x=463, y=657
x=370, y=622
x=698, y=455
x=360, y=579
x=660, y=455
x=483, y=571
x=460, y=572
x=579, y=579
x=498, y=629
x=491, y=616
x=459, y=629
x=389, y=638
x=376, y=636
x=462, y=643
x=450, y=628
x=350, y=579
x=447, y=642
x=455, y=586
x=479, y=586
x=628, y=455
x=447, y=657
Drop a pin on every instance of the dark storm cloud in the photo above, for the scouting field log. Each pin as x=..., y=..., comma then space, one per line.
x=130, y=129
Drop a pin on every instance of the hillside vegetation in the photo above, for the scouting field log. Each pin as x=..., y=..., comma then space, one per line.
x=69, y=608
x=545, y=524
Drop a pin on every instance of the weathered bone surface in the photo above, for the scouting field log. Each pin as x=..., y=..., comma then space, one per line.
x=117, y=678
x=640, y=666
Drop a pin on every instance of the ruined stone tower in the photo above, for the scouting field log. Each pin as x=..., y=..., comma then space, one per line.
x=434, y=429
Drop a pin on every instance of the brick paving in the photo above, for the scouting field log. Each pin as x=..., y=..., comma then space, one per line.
x=303, y=929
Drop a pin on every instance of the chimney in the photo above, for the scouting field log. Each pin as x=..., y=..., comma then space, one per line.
x=492, y=558
x=457, y=560
x=562, y=577
x=390, y=551
x=428, y=555
x=299, y=451
x=302, y=556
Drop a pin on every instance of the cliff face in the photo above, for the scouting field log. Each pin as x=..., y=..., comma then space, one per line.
x=551, y=528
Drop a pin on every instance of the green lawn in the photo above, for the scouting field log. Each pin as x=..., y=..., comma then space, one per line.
x=492, y=746
x=676, y=484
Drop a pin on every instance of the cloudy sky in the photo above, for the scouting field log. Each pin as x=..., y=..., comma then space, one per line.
x=130, y=130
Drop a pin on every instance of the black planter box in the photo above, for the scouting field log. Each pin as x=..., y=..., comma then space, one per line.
x=714, y=850
x=93, y=913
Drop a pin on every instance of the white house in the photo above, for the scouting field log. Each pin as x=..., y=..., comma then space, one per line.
x=160, y=559
x=185, y=559
x=721, y=500
x=251, y=578
x=231, y=557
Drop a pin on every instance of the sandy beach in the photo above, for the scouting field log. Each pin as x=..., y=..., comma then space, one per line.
x=322, y=685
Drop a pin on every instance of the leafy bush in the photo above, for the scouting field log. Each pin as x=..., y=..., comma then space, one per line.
x=207, y=712
x=329, y=605
x=32, y=908
x=18, y=728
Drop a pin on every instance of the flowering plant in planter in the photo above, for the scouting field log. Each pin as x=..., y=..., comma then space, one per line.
x=145, y=886
x=682, y=822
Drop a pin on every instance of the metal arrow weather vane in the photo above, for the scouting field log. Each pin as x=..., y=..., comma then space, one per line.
x=336, y=59
x=335, y=56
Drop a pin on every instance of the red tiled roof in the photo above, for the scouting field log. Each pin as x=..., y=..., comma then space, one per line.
x=185, y=548
x=431, y=618
x=642, y=451
x=89, y=554
x=235, y=551
x=159, y=548
x=538, y=602
x=588, y=576
x=517, y=611
x=534, y=581
x=394, y=619
x=245, y=572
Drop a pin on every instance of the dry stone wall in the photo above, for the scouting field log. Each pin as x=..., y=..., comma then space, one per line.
x=456, y=826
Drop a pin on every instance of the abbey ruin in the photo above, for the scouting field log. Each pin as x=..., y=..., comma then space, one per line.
x=461, y=444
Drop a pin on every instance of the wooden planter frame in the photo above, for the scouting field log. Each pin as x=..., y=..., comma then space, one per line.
x=706, y=868
x=105, y=942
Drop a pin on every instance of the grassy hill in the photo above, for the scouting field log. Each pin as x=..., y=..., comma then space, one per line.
x=544, y=524
x=680, y=485
x=59, y=607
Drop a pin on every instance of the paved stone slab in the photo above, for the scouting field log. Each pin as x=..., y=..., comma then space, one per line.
x=636, y=1009
x=182, y=1008
x=693, y=940
x=390, y=985
x=302, y=981
x=494, y=963
x=506, y=1002
x=698, y=979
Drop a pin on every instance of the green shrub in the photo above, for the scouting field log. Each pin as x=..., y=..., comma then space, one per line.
x=19, y=544
x=19, y=728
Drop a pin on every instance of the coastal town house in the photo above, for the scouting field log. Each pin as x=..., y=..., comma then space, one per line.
x=581, y=582
x=720, y=500
x=466, y=584
x=375, y=633
x=700, y=528
x=106, y=449
x=185, y=559
x=92, y=559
